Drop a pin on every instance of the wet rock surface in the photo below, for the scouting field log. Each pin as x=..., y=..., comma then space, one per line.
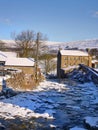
x=68, y=103
x=80, y=75
x=2, y=127
x=6, y=92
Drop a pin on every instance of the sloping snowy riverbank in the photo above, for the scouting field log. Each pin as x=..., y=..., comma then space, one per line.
x=61, y=104
x=26, y=103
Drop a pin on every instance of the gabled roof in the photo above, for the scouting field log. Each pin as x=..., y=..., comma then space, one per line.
x=11, y=59
x=73, y=53
x=19, y=61
x=2, y=55
x=7, y=54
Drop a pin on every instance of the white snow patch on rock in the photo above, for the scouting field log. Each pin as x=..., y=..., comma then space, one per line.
x=77, y=128
x=8, y=110
x=91, y=121
x=24, y=104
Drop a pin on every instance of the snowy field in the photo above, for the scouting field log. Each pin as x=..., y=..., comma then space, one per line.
x=59, y=104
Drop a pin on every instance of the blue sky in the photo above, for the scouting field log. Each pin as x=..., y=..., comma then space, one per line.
x=60, y=20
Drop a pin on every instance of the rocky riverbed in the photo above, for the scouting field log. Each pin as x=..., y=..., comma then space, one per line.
x=53, y=105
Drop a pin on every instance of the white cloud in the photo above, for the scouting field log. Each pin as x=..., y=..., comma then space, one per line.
x=6, y=21
x=95, y=14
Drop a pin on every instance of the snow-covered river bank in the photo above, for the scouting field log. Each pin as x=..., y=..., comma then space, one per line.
x=52, y=105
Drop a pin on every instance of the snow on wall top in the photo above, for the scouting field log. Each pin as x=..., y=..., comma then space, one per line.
x=94, y=61
x=73, y=53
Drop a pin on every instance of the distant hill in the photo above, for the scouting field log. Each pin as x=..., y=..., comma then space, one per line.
x=8, y=43
x=56, y=45
x=75, y=44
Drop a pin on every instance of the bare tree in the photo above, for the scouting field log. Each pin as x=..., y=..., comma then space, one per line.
x=31, y=45
x=48, y=61
x=25, y=41
x=94, y=52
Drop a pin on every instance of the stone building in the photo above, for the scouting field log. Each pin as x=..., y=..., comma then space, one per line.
x=10, y=60
x=67, y=59
x=27, y=65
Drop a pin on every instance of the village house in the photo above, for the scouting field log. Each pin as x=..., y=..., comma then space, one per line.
x=21, y=70
x=10, y=60
x=68, y=59
x=25, y=72
x=24, y=64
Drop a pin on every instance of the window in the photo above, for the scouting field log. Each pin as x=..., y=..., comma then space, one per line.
x=66, y=58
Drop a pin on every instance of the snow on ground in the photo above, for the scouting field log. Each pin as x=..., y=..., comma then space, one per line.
x=77, y=128
x=60, y=103
x=92, y=121
x=10, y=111
x=24, y=105
x=96, y=69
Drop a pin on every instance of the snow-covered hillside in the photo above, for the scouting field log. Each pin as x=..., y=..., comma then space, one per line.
x=9, y=43
x=75, y=44
x=56, y=45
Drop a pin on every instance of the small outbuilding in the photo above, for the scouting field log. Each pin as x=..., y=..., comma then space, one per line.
x=25, y=64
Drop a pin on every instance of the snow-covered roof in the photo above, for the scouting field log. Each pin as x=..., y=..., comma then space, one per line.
x=13, y=61
x=2, y=59
x=10, y=54
x=73, y=53
x=4, y=54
